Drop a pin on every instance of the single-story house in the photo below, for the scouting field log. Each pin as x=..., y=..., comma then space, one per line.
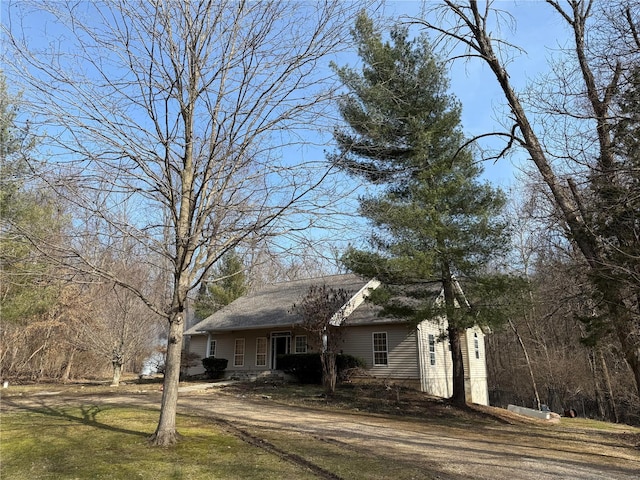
x=253, y=330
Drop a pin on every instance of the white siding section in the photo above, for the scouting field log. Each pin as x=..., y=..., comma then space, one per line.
x=435, y=379
x=475, y=369
x=401, y=346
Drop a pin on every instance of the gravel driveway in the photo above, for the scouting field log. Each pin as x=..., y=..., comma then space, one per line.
x=491, y=451
x=496, y=452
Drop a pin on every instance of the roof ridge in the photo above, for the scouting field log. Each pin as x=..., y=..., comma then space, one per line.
x=309, y=279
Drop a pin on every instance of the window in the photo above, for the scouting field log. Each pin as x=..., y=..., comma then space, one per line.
x=476, y=345
x=301, y=344
x=380, y=349
x=238, y=353
x=432, y=349
x=211, y=347
x=261, y=352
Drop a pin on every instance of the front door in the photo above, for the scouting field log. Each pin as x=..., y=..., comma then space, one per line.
x=280, y=345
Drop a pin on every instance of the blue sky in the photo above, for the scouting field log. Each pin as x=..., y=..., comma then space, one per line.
x=539, y=30
x=536, y=28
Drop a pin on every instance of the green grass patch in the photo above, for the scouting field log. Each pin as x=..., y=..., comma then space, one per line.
x=105, y=442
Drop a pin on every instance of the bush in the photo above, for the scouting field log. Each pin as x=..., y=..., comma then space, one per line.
x=214, y=367
x=345, y=362
x=307, y=367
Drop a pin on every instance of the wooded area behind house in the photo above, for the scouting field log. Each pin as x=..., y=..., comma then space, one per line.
x=153, y=184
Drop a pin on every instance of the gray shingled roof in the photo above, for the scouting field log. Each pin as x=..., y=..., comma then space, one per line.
x=271, y=306
x=369, y=314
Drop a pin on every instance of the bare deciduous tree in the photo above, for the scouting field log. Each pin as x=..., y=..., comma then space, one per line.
x=119, y=329
x=573, y=172
x=322, y=313
x=182, y=110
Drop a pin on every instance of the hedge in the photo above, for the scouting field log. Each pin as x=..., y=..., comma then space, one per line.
x=214, y=367
x=307, y=367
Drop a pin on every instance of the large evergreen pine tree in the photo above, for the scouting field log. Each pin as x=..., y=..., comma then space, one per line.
x=434, y=220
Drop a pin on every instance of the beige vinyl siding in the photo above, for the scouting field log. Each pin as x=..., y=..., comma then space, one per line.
x=226, y=349
x=226, y=343
x=435, y=379
x=402, y=350
x=198, y=345
x=475, y=369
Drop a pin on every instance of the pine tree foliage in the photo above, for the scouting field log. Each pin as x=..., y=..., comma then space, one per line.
x=228, y=282
x=433, y=219
x=26, y=289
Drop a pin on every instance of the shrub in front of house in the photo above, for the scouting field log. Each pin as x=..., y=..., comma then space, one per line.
x=214, y=367
x=307, y=367
x=345, y=362
x=347, y=365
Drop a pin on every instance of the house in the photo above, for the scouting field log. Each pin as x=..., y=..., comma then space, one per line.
x=253, y=330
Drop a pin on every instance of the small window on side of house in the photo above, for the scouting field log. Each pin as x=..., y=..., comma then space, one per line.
x=261, y=352
x=211, y=347
x=432, y=349
x=301, y=344
x=476, y=345
x=238, y=353
x=380, y=349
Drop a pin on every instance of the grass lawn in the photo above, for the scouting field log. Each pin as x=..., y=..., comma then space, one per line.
x=80, y=434
x=111, y=443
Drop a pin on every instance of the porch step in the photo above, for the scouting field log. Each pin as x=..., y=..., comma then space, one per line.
x=263, y=375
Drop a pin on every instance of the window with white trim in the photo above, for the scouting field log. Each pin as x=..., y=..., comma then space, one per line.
x=261, y=352
x=432, y=349
x=238, y=353
x=380, y=351
x=301, y=344
x=211, y=347
x=476, y=345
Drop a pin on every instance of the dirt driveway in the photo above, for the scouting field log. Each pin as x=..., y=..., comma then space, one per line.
x=487, y=451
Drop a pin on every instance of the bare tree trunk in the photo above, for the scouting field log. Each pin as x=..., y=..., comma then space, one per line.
x=459, y=396
x=609, y=391
x=329, y=374
x=166, y=433
x=67, y=368
x=117, y=373
x=600, y=401
x=117, y=363
x=528, y=360
x=454, y=333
